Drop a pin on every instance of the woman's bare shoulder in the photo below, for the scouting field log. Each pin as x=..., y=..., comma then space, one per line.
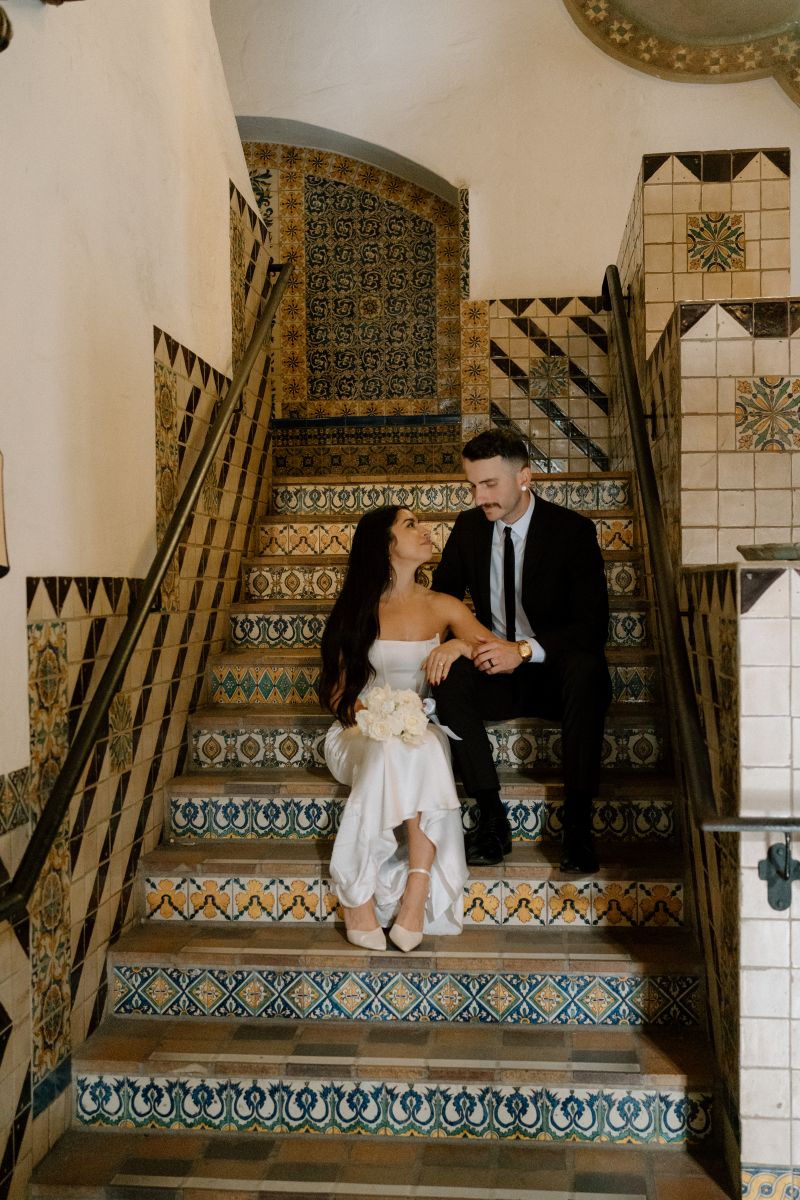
x=446, y=604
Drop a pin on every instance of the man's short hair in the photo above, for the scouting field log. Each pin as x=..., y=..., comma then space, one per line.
x=493, y=443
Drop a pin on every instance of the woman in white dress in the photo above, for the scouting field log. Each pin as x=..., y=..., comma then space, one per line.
x=398, y=858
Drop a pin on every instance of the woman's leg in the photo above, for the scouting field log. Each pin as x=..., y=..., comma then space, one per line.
x=421, y=853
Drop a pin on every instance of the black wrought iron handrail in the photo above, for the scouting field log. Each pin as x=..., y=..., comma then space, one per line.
x=18, y=891
x=691, y=742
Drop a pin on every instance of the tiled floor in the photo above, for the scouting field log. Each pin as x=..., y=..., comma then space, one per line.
x=199, y=1167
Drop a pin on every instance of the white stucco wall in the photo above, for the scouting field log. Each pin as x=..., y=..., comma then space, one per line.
x=117, y=141
x=507, y=98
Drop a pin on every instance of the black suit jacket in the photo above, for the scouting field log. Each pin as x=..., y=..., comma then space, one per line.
x=564, y=590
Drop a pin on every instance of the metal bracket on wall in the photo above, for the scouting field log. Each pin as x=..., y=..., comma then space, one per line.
x=779, y=870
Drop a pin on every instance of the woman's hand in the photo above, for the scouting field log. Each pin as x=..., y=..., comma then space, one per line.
x=438, y=663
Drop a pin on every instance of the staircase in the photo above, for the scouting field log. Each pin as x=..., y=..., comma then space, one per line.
x=556, y=1049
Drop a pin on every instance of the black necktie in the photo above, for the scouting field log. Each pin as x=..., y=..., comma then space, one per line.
x=509, y=587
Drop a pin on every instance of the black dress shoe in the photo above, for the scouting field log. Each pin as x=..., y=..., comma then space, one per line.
x=489, y=842
x=579, y=857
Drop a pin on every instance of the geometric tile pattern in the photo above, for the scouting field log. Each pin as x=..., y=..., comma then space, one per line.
x=411, y=995
x=286, y=684
x=527, y=904
x=715, y=242
x=768, y=413
x=311, y=818
x=544, y=365
x=14, y=810
x=514, y=745
x=343, y=499
x=398, y=445
x=348, y=1106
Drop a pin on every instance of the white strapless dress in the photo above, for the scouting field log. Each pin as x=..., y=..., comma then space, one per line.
x=390, y=783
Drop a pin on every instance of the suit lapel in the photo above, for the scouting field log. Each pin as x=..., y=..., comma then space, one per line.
x=483, y=567
x=536, y=542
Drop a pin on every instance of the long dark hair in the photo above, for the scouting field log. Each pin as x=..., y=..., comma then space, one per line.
x=353, y=624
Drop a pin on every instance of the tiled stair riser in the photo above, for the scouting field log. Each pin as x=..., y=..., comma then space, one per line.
x=410, y=996
x=300, y=581
x=298, y=499
x=638, y=747
x=627, y=628
x=283, y=684
x=335, y=537
x=325, y=1106
x=300, y=818
x=525, y=904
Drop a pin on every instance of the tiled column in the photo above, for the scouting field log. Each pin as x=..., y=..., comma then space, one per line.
x=769, y=639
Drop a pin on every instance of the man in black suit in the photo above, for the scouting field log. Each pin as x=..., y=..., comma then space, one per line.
x=535, y=574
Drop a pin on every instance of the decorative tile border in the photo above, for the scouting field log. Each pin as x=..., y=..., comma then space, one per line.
x=287, y=685
x=535, y=903
x=635, y=746
x=610, y=26
x=461, y=997
x=628, y=628
x=298, y=581
x=335, y=537
x=311, y=818
x=399, y=1108
x=770, y=1183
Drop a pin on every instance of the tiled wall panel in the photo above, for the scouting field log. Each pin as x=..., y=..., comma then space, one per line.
x=369, y=333
x=53, y=992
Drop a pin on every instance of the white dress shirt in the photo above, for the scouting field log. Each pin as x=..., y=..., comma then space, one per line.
x=519, y=536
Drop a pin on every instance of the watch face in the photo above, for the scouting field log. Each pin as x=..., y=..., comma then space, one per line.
x=525, y=651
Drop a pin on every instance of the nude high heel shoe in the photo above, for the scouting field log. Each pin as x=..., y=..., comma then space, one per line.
x=407, y=939
x=367, y=939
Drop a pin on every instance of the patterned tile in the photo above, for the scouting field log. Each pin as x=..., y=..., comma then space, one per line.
x=416, y=996
x=715, y=242
x=768, y=1183
x=400, y=1108
x=14, y=802
x=47, y=703
x=768, y=413
x=313, y=818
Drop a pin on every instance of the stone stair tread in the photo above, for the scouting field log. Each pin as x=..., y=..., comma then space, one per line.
x=268, y=655
x=482, y=1053
x=528, y=860
x=243, y=715
x=309, y=945
x=90, y=1162
x=318, y=781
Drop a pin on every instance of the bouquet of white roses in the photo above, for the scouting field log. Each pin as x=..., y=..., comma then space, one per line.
x=388, y=713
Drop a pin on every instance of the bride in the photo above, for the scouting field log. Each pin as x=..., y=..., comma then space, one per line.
x=387, y=630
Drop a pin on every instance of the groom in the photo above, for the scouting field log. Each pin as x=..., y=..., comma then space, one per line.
x=536, y=578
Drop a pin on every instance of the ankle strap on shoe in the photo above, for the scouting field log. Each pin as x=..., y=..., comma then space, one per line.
x=418, y=871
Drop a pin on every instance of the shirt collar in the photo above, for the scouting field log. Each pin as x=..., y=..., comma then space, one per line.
x=520, y=526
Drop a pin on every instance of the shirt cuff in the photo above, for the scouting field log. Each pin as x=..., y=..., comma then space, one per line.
x=537, y=651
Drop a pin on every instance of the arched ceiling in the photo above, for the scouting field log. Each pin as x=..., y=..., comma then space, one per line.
x=716, y=42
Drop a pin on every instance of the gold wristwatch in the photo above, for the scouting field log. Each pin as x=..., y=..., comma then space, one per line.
x=525, y=651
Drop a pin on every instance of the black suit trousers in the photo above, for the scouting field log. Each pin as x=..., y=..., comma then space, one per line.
x=576, y=691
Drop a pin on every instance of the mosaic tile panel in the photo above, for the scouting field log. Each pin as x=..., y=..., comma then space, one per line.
x=639, y=747
x=768, y=413
x=47, y=704
x=167, y=466
x=312, y=818
x=715, y=241
x=488, y=901
x=371, y=320
x=14, y=802
x=51, y=997
x=348, y=1106
x=396, y=444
